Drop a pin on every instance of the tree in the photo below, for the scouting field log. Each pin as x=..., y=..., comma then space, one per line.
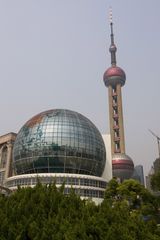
x=155, y=181
x=45, y=213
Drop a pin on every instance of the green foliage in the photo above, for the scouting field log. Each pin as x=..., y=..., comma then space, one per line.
x=45, y=213
x=155, y=181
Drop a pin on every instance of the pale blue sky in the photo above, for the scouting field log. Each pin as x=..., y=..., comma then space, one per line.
x=53, y=54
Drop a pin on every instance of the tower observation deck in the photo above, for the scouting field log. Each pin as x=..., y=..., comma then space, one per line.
x=114, y=79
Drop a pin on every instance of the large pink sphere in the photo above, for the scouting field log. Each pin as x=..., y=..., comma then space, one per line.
x=114, y=75
x=122, y=166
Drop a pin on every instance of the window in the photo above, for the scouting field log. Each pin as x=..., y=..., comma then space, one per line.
x=4, y=157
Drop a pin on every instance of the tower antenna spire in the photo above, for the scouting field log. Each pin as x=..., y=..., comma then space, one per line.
x=112, y=48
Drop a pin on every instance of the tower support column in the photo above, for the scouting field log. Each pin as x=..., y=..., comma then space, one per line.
x=120, y=119
x=9, y=157
x=111, y=118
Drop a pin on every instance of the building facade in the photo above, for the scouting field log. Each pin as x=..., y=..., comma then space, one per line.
x=6, y=149
x=62, y=146
x=154, y=169
x=107, y=173
x=138, y=174
x=156, y=165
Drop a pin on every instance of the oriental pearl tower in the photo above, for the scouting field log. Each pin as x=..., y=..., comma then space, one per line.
x=114, y=79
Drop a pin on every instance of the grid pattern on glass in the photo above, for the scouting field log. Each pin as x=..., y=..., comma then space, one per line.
x=59, y=141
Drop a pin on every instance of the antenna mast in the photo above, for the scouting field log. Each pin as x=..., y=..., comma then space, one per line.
x=112, y=48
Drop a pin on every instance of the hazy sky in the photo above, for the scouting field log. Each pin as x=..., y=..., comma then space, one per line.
x=53, y=54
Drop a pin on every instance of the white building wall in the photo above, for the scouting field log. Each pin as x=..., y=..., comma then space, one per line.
x=86, y=186
x=107, y=174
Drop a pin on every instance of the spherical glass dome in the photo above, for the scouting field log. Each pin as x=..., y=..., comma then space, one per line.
x=59, y=141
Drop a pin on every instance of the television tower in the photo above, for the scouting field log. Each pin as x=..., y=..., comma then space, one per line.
x=114, y=79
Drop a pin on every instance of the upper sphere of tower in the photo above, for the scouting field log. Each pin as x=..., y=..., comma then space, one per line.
x=113, y=76
x=113, y=48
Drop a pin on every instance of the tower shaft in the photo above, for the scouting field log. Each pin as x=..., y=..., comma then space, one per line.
x=116, y=119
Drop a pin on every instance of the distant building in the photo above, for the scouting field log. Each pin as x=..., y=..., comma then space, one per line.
x=156, y=165
x=148, y=179
x=138, y=174
x=6, y=148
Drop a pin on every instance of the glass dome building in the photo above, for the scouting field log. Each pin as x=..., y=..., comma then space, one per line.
x=60, y=144
x=59, y=141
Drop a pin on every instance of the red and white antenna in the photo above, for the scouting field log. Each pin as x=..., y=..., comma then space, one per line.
x=110, y=15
